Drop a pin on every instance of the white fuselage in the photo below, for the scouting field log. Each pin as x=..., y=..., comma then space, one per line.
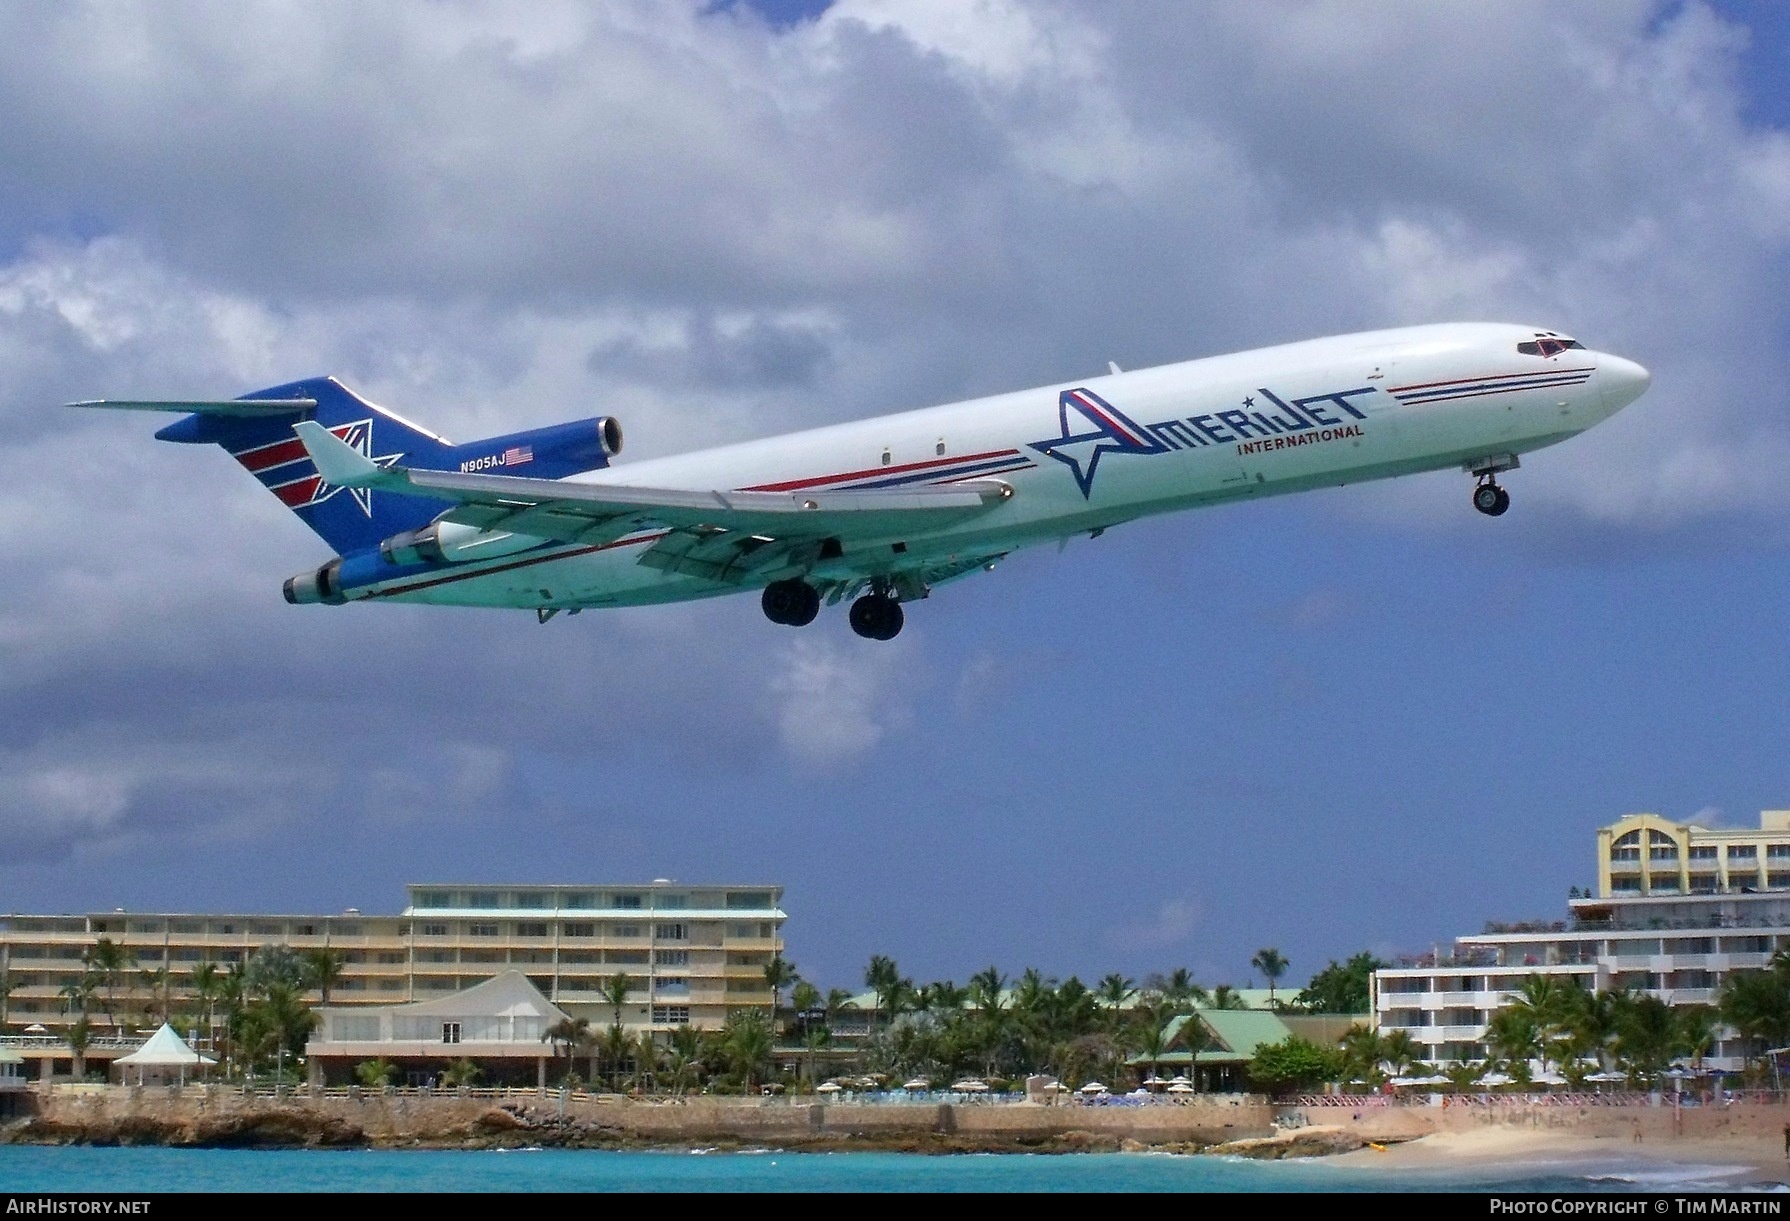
x=1275, y=420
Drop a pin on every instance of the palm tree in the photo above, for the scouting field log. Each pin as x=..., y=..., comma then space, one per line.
x=1272, y=964
x=747, y=1041
x=323, y=970
x=883, y=977
x=1225, y=997
x=78, y=1037
x=207, y=983
x=685, y=1054
x=615, y=993
x=109, y=960
x=462, y=1072
x=779, y=975
x=1114, y=990
x=1195, y=1036
x=569, y=1034
x=1364, y=1051
x=1515, y=1041
x=615, y=1046
x=375, y=1074
x=1757, y=1005
x=1181, y=991
x=647, y=1055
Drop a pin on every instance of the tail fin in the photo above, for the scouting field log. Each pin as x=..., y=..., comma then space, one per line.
x=348, y=519
x=257, y=431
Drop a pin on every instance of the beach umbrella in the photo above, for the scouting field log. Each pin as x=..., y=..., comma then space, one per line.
x=828, y=1087
x=970, y=1086
x=36, y=1028
x=918, y=1083
x=1496, y=1079
x=1606, y=1075
x=1051, y=1087
x=1093, y=1087
x=1179, y=1079
x=1180, y=1087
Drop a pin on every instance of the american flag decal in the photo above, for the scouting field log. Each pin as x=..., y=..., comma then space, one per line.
x=515, y=455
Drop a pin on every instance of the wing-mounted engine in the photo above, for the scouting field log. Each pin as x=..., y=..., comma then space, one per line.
x=447, y=542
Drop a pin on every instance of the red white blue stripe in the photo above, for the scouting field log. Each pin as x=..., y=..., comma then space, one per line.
x=1424, y=393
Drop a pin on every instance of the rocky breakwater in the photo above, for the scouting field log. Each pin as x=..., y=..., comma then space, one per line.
x=215, y=1116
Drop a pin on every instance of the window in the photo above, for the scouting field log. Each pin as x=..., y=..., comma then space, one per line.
x=262, y=929
x=354, y=1028
x=627, y=957
x=191, y=927
x=1668, y=852
x=1548, y=345
x=435, y=930
x=749, y=900
x=671, y=1015
x=391, y=957
x=673, y=984
x=628, y=901
x=480, y=929
x=450, y=1032
x=581, y=899
x=434, y=898
x=1778, y=881
x=1625, y=854
x=482, y=898
x=1777, y=852
x=348, y=930
x=1704, y=852
x=1743, y=852
x=533, y=899
x=671, y=958
x=192, y=955
x=624, y=931
x=673, y=902
x=581, y=929
x=531, y=928
x=305, y=930
x=671, y=932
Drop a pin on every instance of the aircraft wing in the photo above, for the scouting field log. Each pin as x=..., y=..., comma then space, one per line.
x=245, y=408
x=596, y=512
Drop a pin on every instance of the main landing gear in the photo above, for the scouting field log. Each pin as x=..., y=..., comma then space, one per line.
x=877, y=616
x=793, y=603
x=1489, y=498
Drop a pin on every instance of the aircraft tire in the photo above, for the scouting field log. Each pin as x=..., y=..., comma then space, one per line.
x=1490, y=499
x=876, y=617
x=792, y=603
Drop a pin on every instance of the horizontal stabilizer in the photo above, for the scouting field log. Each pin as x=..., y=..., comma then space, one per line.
x=245, y=408
x=339, y=463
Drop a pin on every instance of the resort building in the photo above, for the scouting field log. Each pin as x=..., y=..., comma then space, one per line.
x=1679, y=907
x=692, y=954
x=503, y=1025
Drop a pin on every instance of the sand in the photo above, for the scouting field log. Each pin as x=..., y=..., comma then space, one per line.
x=1736, y=1160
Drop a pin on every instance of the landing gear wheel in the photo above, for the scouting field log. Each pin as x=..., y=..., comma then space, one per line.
x=877, y=617
x=792, y=603
x=1491, y=499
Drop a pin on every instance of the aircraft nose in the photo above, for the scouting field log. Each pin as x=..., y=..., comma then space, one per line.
x=1620, y=381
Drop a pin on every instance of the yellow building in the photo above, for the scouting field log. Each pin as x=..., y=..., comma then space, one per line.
x=1645, y=854
x=692, y=954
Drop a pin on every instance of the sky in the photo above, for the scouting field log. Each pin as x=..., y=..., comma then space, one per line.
x=1367, y=718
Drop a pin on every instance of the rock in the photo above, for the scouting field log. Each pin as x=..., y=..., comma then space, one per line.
x=498, y=1120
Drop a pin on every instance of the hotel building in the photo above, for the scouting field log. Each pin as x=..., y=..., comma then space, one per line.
x=693, y=953
x=1679, y=907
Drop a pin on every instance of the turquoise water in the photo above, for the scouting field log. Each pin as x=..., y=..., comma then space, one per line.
x=78, y=1169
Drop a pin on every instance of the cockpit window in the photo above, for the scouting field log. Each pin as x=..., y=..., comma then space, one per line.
x=1548, y=345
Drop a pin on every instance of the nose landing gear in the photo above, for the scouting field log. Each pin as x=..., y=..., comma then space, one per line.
x=1489, y=498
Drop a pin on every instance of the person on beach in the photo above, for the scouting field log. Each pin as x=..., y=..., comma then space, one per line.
x=1787, y=1141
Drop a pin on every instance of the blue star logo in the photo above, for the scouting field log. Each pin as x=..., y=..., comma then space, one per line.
x=359, y=435
x=1090, y=427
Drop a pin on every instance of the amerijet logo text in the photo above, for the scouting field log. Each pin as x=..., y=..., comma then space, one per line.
x=1092, y=427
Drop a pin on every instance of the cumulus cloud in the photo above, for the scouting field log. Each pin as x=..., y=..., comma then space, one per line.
x=493, y=216
x=1172, y=923
x=834, y=703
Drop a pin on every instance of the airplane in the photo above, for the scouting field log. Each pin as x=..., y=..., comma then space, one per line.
x=882, y=511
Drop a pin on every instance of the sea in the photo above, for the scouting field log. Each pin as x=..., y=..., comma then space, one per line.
x=31, y=1168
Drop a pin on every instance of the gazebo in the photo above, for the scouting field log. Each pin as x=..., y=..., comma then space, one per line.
x=164, y=1055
